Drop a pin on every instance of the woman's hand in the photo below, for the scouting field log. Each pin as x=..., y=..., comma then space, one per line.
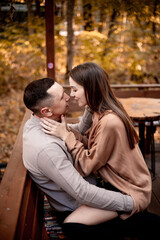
x=55, y=128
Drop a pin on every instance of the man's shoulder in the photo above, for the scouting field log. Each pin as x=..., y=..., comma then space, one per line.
x=36, y=139
x=29, y=124
x=40, y=147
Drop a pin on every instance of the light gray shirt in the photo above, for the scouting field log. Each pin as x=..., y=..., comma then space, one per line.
x=50, y=165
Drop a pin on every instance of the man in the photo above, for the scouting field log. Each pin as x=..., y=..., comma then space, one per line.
x=51, y=166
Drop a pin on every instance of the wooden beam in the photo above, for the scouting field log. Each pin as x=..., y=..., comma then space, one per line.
x=137, y=93
x=139, y=86
x=11, y=189
x=21, y=203
x=131, y=86
x=50, y=52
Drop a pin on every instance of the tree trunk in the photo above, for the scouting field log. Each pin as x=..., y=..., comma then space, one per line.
x=30, y=16
x=123, y=28
x=38, y=8
x=50, y=52
x=114, y=15
x=102, y=17
x=153, y=23
x=87, y=16
x=70, y=36
x=112, y=22
x=62, y=10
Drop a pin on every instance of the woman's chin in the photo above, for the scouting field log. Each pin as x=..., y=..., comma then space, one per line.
x=81, y=104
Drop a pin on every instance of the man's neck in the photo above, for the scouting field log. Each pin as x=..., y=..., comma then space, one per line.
x=55, y=118
x=35, y=116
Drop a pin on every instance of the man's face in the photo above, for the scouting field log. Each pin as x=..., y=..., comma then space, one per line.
x=60, y=101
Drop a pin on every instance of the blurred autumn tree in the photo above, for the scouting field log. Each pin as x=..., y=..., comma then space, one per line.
x=120, y=35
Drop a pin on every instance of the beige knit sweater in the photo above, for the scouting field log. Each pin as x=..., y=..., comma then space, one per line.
x=105, y=149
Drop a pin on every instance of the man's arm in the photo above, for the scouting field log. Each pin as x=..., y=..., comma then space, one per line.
x=61, y=171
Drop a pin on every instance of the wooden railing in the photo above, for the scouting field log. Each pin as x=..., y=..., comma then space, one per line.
x=134, y=90
x=137, y=90
x=21, y=203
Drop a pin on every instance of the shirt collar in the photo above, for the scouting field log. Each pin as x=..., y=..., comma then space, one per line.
x=34, y=118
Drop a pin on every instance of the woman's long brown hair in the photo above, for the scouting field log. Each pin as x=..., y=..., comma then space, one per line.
x=100, y=96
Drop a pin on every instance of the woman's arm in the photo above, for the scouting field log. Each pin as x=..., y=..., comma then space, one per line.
x=96, y=156
x=90, y=216
x=81, y=138
x=99, y=151
x=85, y=122
x=62, y=130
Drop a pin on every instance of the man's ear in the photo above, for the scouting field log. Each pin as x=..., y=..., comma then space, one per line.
x=46, y=112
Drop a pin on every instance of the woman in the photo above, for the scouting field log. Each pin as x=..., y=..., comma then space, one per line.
x=110, y=147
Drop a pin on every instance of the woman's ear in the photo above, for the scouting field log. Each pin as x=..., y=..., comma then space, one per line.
x=46, y=112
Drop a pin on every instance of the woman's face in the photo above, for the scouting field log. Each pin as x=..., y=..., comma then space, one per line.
x=77, y=92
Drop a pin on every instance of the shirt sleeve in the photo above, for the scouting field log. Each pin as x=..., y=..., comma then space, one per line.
x=95, y=157
x=54, y=164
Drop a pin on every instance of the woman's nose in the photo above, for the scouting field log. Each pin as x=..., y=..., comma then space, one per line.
x=67, y=97
x=71, y=94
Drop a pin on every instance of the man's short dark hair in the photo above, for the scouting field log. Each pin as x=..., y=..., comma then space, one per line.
x=35, y=92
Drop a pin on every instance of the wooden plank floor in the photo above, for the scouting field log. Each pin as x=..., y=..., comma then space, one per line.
x=155, y=201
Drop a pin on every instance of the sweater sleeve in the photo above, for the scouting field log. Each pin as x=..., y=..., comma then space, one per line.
x=54, y=164
x=81, y=138
x=95, y=157
x=85, y=122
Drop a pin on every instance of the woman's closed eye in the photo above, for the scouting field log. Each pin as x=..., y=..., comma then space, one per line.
x=73, y=89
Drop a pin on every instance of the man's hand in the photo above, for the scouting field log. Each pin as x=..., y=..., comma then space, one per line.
x=55, y=128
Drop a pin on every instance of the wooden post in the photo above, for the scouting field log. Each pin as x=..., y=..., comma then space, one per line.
x=49, y=17
x=142, y=138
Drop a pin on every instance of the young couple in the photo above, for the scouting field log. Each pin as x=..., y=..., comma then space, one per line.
x=109, y=149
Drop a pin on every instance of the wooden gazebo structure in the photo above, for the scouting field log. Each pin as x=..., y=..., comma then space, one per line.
x=49, y=17
x=21, y=203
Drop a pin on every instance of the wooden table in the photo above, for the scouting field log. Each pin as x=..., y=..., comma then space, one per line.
x=144, y=112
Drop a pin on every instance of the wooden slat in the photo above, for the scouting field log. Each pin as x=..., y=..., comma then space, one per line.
x=137, y=93
x=73, y=106
x=156, y=188
x=154, y=207
x=126, y=91
x=72, y=120
x=130, y=86
x=139, y=86
x=12, y=188
x=31, y=213
x=50, y=49
x=37, y=227
x=23, y=209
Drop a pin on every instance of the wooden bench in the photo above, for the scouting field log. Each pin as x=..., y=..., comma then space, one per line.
x=21, y=203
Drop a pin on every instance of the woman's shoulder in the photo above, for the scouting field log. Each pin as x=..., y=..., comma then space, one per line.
x=110, y=115
x=110, y=119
